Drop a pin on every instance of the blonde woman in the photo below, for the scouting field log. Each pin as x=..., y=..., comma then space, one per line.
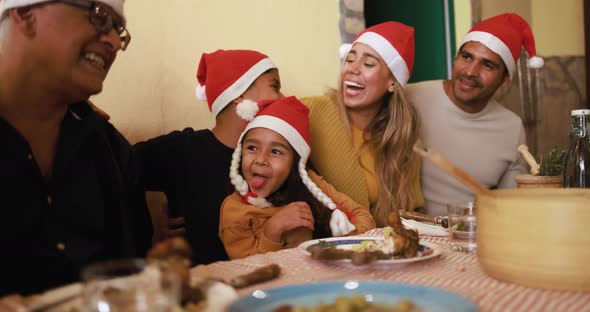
x=363, y=132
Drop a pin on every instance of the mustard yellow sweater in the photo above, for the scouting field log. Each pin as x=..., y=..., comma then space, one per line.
x=333, y=154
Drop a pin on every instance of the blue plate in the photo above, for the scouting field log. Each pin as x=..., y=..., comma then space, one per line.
x=308, y=295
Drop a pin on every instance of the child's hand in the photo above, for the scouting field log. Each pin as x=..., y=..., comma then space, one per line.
x=291, y=216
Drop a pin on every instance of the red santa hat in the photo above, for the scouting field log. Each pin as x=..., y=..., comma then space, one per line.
x=394, y=42
x=116, y=5
x=506, y=34
x=289, y=118
x=225, y=74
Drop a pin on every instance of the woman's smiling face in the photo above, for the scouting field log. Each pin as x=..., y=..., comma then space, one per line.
x=366, y=79
x=267, y=158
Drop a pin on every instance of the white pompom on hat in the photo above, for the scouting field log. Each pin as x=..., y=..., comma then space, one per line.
x=289, y=118
x=394, y=42
x=116, y=5
x=506, y=34
x=224, y=75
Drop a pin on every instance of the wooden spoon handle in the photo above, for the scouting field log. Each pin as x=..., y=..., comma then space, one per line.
x=417, y=216
x=524, y=150
x=450, y=168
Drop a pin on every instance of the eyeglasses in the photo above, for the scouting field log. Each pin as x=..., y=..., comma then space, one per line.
x=101, y=16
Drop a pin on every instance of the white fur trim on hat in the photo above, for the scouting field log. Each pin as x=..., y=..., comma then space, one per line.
x=241, y=85
x=283, y=128
x=344, y=49
x=247, y=109
x=496, y=45
x=536, y=62
x=116, y=5
x=9, y=4
x=389, y=54
x=200, y=92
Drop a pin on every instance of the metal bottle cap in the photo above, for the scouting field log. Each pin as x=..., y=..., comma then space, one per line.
x=580, y=112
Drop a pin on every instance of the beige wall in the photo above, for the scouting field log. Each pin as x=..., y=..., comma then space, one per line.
x=151, y=87
x=490, y=8
x=462, y=12
x=558, y=26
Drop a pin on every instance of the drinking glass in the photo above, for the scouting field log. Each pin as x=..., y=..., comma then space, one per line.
x=462, y=226
x=129, y=285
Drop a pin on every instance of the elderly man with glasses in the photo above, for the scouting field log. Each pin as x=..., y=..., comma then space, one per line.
x=68, y=188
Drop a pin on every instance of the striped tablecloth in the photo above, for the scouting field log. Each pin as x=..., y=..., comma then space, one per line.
x=453, y=271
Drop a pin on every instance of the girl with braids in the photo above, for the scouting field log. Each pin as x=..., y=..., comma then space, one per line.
x=278, y=202
x=363, y=132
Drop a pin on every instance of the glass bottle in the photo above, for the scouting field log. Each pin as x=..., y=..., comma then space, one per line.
x=576, y=169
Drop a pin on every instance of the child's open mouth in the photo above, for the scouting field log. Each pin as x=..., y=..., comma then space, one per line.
x=258, y=181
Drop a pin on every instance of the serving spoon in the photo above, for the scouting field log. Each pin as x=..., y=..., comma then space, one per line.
x=450, y=168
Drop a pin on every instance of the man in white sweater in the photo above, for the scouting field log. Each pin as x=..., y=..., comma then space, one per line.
x=460, y=119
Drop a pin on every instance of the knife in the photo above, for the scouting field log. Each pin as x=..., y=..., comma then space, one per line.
x=438, y=220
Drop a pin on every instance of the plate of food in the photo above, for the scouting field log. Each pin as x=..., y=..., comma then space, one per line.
x=355, y=295
x=362, y=250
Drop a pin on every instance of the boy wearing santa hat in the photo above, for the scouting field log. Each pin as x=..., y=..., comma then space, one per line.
x=191, y=166
x=67, y=178
x=460, y=118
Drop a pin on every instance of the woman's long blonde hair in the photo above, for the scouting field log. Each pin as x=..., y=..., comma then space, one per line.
x=391, y=135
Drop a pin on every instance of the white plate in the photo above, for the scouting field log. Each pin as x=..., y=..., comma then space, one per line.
x=431, y=249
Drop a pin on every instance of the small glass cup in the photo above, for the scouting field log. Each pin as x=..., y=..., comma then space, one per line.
x=462, y=226
x=129, y=285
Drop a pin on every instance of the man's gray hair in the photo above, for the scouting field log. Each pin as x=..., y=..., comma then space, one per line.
x=4, y=29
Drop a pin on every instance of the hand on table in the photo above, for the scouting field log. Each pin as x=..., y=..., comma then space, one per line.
x=289, y=217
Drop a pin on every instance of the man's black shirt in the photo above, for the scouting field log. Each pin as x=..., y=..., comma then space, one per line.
x=192, y=168
x=90, y=209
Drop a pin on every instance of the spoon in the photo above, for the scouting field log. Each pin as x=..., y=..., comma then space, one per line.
x=524, y=150
x=450, y=168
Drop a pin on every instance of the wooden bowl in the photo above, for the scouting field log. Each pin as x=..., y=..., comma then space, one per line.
x=536, y=237
x=532, y=181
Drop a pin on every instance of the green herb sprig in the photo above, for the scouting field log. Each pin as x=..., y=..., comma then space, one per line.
x=552, y=163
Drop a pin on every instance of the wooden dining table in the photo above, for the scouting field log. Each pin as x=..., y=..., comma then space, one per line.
x=452, y=271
